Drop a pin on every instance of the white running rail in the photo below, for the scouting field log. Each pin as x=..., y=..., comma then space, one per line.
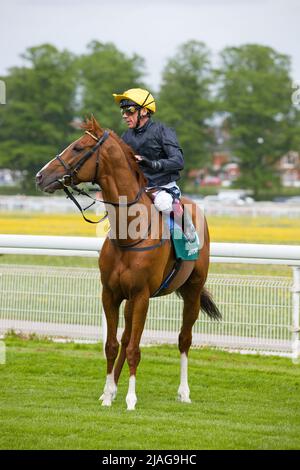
x=260, y=314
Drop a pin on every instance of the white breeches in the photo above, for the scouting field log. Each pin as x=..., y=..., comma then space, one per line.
x=162, y=200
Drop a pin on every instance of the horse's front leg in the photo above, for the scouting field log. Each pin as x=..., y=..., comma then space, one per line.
x=139, y=306
x=111, y=305
x=124, y=341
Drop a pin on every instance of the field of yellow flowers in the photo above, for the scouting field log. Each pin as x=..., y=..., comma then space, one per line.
x=51, y=224
x=222, y=229
x=273, y=230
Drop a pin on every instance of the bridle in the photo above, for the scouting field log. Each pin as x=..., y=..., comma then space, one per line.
x=73, y=171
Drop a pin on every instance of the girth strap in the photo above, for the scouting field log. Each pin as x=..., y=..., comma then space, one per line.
x=141, y=248
x=165, y=284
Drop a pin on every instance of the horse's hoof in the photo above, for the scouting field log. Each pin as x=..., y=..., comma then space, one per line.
x=106, y=402
x=184, y=399
x=184, y=396
x=109, y=394
x=130, y=407
x=107, y=398
x=131, y=402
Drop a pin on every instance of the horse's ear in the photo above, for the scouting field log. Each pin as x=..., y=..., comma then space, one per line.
x=96, y=125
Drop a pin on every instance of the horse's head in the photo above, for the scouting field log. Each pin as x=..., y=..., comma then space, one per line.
x=79, y=162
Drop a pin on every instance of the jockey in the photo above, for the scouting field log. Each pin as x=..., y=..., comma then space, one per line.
x=157, y=151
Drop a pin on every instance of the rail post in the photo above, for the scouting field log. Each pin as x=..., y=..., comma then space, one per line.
x=296, y=314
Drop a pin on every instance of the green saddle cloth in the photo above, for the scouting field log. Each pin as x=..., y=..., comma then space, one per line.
x=185, y=250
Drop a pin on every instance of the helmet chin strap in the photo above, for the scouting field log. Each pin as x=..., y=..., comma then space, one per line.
x=138, y=122
x=139, y=111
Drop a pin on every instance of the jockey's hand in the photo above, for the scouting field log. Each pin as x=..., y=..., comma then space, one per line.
x=146, y=162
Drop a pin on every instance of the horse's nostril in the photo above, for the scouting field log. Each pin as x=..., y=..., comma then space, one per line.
x=38, y=177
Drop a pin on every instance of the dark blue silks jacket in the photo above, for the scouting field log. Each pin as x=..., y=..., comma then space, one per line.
x=157, y=142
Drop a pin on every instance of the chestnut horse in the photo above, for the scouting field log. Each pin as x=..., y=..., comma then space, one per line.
x=131, y=269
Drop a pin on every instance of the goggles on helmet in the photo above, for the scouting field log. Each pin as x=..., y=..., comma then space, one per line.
x=128, y=110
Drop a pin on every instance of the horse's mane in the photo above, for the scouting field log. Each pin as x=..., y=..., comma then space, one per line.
x=91, y=125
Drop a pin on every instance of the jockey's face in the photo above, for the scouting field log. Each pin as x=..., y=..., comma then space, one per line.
x=131, y=118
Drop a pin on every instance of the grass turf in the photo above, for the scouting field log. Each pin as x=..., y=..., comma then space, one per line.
x=49, y=395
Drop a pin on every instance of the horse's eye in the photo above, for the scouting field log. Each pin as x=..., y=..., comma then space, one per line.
x=77, y=148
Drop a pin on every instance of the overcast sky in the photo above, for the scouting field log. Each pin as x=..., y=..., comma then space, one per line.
x=150, y=28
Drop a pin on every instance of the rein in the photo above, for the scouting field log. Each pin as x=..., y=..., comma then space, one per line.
x=73, y=172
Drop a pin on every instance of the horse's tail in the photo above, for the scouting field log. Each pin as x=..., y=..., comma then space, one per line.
x=208, y=306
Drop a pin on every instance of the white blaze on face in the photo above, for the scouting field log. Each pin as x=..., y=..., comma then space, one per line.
x=60, y=154
x=47, y=164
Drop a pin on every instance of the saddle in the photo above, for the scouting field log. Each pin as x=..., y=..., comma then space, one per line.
x=184, y=249
x=178, y=224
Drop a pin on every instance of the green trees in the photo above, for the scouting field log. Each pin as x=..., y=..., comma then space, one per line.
x=34, y=123
x=44, y=97
x=250, y=92
x=103, y=71
x=255, y=89
x=185, y=101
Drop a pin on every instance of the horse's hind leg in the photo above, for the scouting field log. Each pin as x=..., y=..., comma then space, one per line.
x=191, y=298
x=111, y=308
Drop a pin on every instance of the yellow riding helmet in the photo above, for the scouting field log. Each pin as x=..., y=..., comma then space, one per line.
x=141, y=97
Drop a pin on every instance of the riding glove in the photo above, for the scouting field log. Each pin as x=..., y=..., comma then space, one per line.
x=153, y=164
